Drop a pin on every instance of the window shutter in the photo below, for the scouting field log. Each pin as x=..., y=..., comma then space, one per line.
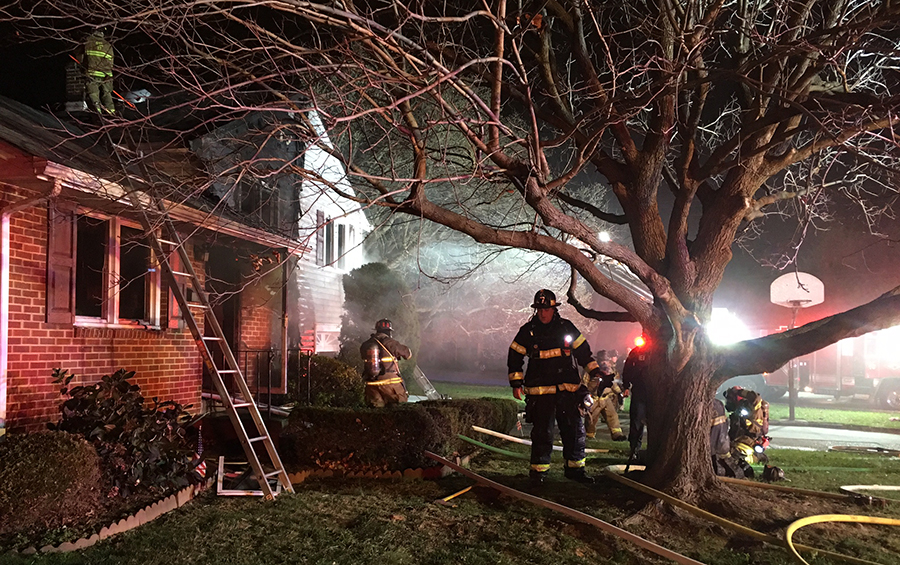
x=61, y=230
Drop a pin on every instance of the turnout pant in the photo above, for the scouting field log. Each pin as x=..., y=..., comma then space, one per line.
x=563, y=408
x=388, y=390
x=637, y=415
x=605, y=407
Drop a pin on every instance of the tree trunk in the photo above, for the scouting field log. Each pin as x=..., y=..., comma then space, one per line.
x=678, y=426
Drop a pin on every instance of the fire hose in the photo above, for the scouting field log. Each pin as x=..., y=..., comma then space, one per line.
x=571, y=513
x=612, y=470
x=749, y=532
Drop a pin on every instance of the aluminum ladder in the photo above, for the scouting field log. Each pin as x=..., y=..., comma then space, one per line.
x=146, y=203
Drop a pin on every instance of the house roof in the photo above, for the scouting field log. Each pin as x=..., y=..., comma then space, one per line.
x=88, y=166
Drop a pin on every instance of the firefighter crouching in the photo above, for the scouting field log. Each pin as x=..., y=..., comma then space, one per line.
x=552, y=386
x=606, y=402
x=748, y=424
x=380, y=354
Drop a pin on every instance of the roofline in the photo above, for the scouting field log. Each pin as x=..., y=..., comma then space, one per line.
x=86, y=182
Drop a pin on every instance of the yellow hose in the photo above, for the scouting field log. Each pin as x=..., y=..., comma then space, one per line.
x=749, y=532
x=831, y=518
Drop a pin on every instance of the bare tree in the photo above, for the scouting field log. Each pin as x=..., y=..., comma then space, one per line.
x=508, y=121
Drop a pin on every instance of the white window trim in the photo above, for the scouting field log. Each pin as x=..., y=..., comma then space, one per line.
x=109, y=317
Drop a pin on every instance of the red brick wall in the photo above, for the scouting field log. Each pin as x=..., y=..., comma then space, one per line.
x=167, y=363
x=260, y=321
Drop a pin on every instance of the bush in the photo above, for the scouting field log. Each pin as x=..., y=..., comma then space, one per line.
x=394, y=438
x=140, y=448
x=372, y=292
x=333, y=383
x=47, y=480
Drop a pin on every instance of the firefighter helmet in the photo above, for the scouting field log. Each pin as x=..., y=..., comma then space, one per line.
x=544, y=299
x=384, y=326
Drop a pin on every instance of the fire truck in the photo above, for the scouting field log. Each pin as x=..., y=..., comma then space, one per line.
x=867, y=365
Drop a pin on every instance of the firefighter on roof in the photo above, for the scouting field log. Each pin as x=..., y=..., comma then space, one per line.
x=381, y=372
x=98, y=68
x=552, y=386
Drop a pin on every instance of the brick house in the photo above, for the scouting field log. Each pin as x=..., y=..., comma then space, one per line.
x=79, y=291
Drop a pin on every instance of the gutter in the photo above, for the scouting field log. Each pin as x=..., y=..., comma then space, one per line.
x=5, y=216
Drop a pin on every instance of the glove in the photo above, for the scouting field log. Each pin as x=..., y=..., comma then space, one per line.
x=518, y=392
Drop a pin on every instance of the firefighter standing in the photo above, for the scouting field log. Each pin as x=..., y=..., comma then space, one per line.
x=382, y=373
x=607, y=401
x=552, y=386
x=634, y=377
x=98, y=66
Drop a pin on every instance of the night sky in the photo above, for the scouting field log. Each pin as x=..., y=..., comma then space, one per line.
x=855, y=267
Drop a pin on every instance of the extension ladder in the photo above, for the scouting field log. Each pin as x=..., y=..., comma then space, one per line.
x=243, y=399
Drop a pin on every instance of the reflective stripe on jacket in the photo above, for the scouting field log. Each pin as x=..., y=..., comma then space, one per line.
x=98, y=56
x=554, y=352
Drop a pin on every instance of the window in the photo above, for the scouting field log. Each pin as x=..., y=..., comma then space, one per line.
x=115, y=280
x=341, y=244
x=329, y=242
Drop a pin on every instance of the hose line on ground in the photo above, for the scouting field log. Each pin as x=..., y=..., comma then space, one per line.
x=823, y=518
x=749, y=532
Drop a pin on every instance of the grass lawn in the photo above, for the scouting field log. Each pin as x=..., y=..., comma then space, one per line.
x=779, y=411
x=874, y=419
x=338, y=521
x=357, y=521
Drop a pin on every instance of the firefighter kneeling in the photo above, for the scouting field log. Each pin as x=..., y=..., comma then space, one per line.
x=747, y=427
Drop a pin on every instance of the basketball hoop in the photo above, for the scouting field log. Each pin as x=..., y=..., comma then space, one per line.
x=797, y=290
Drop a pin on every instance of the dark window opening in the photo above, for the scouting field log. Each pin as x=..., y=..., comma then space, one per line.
x=134, y=260
x=92, y=240
x=329, y=243
x=341, y=245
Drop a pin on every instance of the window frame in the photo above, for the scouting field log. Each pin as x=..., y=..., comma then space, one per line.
x=109, y=316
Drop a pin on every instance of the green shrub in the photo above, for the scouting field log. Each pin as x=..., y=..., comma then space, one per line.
x=141, y=448
x=47, y=480
x=331, y=383
x=372, y=292
x=394, y=438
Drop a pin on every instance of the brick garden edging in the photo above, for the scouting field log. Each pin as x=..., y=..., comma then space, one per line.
x=187, y=494
x=142, y=516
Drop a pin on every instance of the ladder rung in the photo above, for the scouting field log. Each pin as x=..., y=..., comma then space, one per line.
x=166, y=241
x=227, y=371
x=180, y=274
x=260, y=438
x=197, y=305
x=273, y=474
x=242, y=404
x=211, y=338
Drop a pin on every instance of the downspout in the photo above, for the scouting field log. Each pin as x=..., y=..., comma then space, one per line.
x=4, y=289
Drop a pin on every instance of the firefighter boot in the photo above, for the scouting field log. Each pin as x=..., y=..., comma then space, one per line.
x=536, y=478
x=578, y=475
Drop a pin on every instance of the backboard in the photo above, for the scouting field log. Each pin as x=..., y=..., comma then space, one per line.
x=797, y=290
